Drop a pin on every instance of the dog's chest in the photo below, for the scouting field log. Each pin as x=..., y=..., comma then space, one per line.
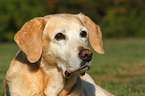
x=53, y=82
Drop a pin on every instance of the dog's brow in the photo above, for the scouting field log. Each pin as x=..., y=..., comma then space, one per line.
x=80, y=21
x=72, y=18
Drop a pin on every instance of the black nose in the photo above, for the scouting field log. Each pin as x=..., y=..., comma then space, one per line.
x=86, y=55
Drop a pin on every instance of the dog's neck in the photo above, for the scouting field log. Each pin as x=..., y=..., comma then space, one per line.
x=72, y=86
x=54, y=82
x=59, y=84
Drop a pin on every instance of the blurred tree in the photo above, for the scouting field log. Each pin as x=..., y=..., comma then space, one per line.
x=14, y=13
x=124, y=19
x=117, y=18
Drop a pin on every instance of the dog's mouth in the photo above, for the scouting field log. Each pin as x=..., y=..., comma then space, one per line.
x=80, y=70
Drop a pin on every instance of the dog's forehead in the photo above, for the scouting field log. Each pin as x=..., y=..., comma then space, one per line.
x=64, y=18
x=62, y=21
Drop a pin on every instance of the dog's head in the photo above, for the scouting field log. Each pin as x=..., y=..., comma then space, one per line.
x=61, y=38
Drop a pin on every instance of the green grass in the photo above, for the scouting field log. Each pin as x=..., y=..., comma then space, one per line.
x=121, y=70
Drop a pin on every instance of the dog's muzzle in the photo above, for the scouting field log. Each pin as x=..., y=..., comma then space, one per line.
x=86, y=56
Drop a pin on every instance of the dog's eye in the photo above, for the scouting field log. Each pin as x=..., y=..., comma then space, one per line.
x=59, y=36
x=83, y=34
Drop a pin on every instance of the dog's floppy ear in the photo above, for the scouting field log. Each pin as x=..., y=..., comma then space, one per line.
x=29, y=39
x=95, y=36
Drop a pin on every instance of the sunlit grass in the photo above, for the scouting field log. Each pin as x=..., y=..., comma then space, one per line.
x=121, y=70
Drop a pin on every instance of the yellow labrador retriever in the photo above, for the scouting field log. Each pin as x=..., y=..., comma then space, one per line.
x=54, y=57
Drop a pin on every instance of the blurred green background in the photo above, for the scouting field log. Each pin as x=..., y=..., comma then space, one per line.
x=117, y=18
x=121, y=70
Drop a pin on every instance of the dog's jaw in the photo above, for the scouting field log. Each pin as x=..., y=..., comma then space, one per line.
x=69, y=72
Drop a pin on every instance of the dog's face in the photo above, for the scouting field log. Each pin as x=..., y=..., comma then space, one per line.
x=64, y=38
x=68, y=41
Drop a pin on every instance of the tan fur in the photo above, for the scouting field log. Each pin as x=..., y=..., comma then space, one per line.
x=38, y=68
x=29, y=37
x=95, y=36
